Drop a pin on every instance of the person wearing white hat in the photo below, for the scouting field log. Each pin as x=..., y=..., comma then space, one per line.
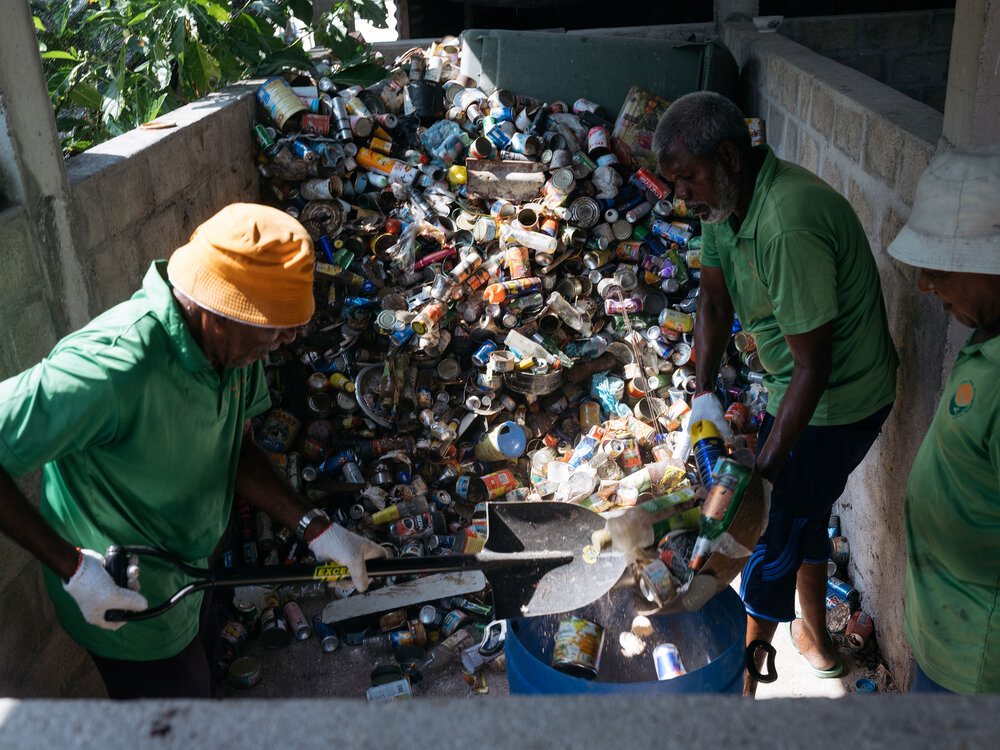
x=952, y=604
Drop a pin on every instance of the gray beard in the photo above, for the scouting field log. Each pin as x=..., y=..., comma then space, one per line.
x=729, y=196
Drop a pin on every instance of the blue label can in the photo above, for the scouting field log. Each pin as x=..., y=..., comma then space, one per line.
x=482, y=355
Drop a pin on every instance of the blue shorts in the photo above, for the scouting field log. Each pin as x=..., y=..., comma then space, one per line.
x=810, y=482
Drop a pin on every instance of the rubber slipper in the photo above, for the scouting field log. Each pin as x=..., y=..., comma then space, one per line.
x=835, y=671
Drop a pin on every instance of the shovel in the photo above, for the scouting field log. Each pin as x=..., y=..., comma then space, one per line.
x=537, y=556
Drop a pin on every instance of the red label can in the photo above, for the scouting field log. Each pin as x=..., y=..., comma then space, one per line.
x=859, y=630
x=499, y=483
x=738, y=415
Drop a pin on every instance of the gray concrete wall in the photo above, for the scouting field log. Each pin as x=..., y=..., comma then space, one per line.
x=907, y=51
x=132, y=199
x=870, y=143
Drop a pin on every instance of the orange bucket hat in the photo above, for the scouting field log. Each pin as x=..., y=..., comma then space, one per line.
x=250, y=263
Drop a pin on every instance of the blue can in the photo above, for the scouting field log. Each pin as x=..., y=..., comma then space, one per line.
x=402, y=336
x=482, y=355
x=842, y=590
x=333, y=463
x=667, y=660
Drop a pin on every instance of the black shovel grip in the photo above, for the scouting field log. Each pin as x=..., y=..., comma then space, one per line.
x=751, y=658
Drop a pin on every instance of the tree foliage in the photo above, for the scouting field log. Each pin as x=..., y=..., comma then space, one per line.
x=114, y=64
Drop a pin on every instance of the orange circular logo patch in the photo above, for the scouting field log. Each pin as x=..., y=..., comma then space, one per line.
x=961, y=402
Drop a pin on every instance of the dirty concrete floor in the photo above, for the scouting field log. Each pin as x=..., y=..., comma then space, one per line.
x=303, y=670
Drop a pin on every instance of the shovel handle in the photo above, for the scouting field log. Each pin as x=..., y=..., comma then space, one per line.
x=751, y=658
x=118, y=558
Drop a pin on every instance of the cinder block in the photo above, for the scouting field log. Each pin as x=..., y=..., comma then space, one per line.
x=934, y=97
x=171, y=167
x=31, y=332
x=826, y=36
x=914, y=156
x=864, y=208
x=805, y=97
x=791, y=143
x=891, y=224
x=847, y=130
x=773, y=75
x=821, y=114
x=113, y=271
x=883, y=141
x=872, y=64
x=89, y=225
x=774, y=122
x=809, y=152
x=126, y=192
x=942, y=23
x=886, y=30
x=790, y=89
x=157, y=237
x=830, y=172
x=21, y=267
x=922, y=68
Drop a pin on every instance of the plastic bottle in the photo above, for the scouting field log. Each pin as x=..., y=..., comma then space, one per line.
x=444, y=653
x=535, y=240
x=721, y=504
x=642, y=525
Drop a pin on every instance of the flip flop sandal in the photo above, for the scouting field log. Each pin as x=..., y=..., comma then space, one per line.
x=835, y=671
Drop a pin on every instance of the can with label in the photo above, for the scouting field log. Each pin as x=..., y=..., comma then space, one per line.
x=667, y=660
x=578, y=646
x=280, y=101
x=840, y=551
x=859, y=630
x=841, y=590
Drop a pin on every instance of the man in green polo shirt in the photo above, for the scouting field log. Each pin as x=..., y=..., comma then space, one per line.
x=141, y=422
x=953, y=496
x=788, y=254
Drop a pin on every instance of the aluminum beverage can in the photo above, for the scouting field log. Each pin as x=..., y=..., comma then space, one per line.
x=859, y=630
x=667, y=660
x=841, y=590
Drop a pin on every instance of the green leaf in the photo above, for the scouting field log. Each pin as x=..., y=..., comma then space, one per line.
x=302, y=10
x=58, y=54
x=154, y=108
x=86, y=96
x=364, y=74
x=39, y=26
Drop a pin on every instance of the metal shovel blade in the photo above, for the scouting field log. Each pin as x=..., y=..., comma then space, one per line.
x=559, y=528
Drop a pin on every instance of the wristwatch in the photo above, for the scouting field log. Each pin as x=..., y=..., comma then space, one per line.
x=308, y=518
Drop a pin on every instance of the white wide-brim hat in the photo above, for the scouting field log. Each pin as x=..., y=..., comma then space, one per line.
x=955, y=222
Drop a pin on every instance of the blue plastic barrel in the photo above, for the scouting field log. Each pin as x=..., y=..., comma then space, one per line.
x=711, y=643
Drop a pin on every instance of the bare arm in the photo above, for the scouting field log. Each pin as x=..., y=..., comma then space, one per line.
x=263, y=487
x=812, y=357
x=24, y=524
x=712, y=327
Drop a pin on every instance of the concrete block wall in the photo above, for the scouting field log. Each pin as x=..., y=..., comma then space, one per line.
x=870, y=143
x=134, y=199
x=908, y=51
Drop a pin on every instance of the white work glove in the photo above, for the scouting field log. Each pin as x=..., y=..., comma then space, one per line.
x=707, y=406
x=340, y=545
x=95, y=591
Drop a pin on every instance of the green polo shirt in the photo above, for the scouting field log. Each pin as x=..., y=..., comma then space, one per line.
x=953, y=530
x=139, y=437
x=800, y=260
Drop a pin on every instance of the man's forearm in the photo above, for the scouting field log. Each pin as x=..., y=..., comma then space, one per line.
x=262, y=486
x=25, y=525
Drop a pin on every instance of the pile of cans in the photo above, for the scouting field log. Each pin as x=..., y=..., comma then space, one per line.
x=475, y=342
x=844, y=614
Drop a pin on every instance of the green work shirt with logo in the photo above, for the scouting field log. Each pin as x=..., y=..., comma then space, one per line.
x=801, y=260
x=953, y=530
x=139, y=437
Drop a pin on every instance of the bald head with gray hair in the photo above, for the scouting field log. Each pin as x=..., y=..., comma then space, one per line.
x=698, y=123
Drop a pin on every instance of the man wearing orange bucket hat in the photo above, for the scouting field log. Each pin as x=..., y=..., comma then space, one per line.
x=141, y=423
x=953, y=495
